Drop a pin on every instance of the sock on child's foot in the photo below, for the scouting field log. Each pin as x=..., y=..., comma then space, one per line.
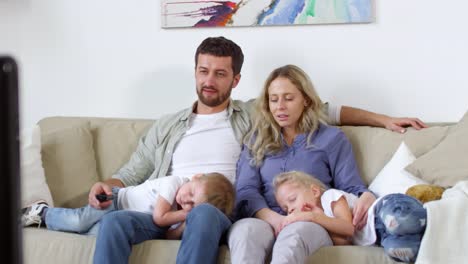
x=43, y=213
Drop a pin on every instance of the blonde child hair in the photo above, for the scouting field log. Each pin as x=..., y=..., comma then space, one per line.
x=298, y=178
x=219, y=191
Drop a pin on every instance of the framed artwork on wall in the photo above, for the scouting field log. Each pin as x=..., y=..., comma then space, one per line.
x=207, y=13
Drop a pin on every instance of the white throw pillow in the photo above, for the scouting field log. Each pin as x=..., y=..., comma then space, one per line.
x=33, y=183
x=393, y=178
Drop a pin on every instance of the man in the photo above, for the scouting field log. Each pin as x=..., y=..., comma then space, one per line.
x=203, y=138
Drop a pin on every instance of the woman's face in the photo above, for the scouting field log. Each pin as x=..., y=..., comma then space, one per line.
x=286, y=103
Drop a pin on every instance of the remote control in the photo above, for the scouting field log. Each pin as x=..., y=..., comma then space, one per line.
x=104, y=197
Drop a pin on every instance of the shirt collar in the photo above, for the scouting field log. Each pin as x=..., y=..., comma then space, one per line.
x=232, y=106
x=297, y=140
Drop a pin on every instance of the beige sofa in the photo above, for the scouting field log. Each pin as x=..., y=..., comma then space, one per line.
x=78, y=151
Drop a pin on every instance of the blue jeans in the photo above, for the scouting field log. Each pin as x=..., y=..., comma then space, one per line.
x=84, y=220
x=400, y=222
x=119, y=230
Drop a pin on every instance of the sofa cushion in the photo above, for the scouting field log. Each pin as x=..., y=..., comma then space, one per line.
x=374, y=147
x=115, y=141
x=447, y=163
x=69, y=164
x=33, y=182
x=42, y=246
x=46, y=246
x=393, y=178
x=351, y=255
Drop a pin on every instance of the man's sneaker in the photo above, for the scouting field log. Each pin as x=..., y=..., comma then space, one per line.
x=32, y=214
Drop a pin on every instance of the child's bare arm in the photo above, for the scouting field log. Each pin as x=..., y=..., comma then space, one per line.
x=163, y=216
x=339, y=240
x=342, y=224
x=176, y=233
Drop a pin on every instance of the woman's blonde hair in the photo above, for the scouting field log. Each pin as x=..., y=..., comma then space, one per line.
x=298, y=178
x=265, y=135
x=219, y=191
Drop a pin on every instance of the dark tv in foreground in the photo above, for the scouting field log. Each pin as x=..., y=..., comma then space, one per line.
x=11, y=249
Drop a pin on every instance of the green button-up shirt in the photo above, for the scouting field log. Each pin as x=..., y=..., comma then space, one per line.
x=153, y=155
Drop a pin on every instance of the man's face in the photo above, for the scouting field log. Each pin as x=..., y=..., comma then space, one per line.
x=215, y=80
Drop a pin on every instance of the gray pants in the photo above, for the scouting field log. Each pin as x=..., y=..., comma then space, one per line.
x=252, y=240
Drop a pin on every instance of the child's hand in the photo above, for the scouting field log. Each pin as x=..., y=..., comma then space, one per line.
x=308, y=213
x=360, y=209
x=290, y=218
x=184, y=213
x=271, y=217
x=307, y=207
x=277, y=224
x=176, y=233
x=295, y=217
x=182, y=227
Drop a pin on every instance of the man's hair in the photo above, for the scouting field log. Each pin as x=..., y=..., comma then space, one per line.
x=219, y=191
x=222, y=47
x=297, y=178
x=265, y=136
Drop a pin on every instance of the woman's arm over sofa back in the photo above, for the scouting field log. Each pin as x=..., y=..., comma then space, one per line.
x=373, y=147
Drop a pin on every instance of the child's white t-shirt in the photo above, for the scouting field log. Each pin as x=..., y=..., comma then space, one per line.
x=364, y=237
x=143, y=197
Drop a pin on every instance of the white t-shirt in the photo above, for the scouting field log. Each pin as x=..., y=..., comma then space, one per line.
x=143, y=197
x=209, y=145
x=364, y=237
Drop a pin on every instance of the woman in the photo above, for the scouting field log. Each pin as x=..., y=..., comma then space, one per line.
x=289, y=133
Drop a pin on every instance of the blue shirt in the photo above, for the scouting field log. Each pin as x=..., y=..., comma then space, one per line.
x=329, y=157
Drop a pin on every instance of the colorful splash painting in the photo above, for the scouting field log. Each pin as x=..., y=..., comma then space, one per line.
x=205, y=13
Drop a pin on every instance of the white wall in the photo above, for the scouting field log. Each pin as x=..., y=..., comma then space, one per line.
x=111, y=58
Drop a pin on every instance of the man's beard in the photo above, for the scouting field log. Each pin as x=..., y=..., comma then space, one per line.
x=213, y=102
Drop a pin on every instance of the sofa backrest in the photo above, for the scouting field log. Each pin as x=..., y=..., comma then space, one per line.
x=78, y=151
